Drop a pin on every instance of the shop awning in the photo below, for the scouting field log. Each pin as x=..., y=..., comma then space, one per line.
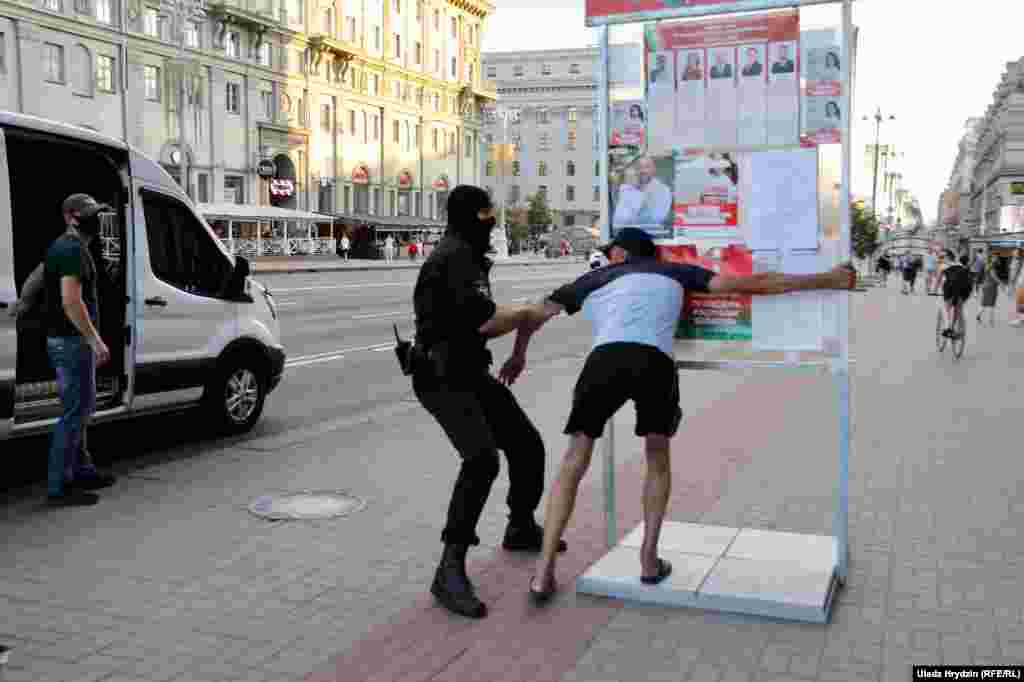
x=395, y=223
x=250, y=213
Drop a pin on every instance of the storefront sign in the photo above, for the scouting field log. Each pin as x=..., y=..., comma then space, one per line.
x=361, y=175
x=282, y=188
x=266, y=168
x=404, y=180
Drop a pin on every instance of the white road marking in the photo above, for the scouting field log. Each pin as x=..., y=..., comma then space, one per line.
x=373, y=315
x=314, y=361
x=281, y=305
x=335, y=352
x=363, y=285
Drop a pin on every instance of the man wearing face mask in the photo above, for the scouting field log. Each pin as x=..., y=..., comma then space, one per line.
x=73, y=342
x=455, y=316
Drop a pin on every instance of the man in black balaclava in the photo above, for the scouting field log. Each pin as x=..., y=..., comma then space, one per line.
x=455, y=315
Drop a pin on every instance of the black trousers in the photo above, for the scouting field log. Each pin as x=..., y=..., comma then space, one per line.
x=481, y=416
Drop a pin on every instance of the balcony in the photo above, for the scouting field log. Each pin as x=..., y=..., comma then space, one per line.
x=257, y=15
x=322, y=44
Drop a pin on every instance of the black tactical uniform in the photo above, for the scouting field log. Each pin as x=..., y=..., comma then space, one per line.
x=480, y=415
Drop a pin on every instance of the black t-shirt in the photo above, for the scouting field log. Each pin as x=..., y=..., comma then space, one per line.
x=68, y=257
x=452, y=300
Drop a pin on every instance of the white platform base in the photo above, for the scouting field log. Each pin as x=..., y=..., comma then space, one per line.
x=790, y=576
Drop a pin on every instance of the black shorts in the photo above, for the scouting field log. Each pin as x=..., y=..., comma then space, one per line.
x=954, y=294
x=617, y=372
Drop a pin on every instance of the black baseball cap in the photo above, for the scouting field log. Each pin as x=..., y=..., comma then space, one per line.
x=634, y=240
x=84, y=204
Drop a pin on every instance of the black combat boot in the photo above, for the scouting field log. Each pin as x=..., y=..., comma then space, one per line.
x=526, y=535
x=452, y=587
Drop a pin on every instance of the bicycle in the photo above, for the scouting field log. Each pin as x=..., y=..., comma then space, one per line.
x=959, y=337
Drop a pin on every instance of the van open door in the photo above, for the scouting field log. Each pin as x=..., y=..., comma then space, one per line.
x=8, y=299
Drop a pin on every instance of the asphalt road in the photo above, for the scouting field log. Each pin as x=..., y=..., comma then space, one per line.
x=337, y=328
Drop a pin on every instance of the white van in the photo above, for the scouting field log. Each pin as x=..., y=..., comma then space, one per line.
x=185, y=324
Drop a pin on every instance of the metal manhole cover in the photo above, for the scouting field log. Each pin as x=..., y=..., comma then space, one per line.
x=306, y=505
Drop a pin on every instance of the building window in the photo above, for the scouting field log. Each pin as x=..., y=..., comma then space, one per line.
x=517, y=70
x=149, y=22
x=52, y=5
x=82, y=7
x=469, y=146
x=233, y=45
x=351, y=121
x=545, y=69
x=437, y=102
x=152, y=78
x=396, y=132
x=264, y=54
x=492, y=72
x=376, y=127
x=570, y=168
x=417, y=130
x=437, y=20
x=328, y=26
x=203, y=187
x=366, y=128
x=419, y=54
x=398, y=6
x=544, y=141
x=104, y=15
x=574, y=69
x=571, y=114
x=192, y=36
x=597, y=168
x=570, y=193
x=455, y=67
x=233, y=189
x=419, y=11
x=437, y=61
x=326, y=124
x=434, y=136
x=267, y=104
x=489, y=169
x=542, y=190
x=515, y=168
x=542, y=168
x=570, y=220
x=351, y=30
x=104, y=73
x=231, y=98
x=572, y=139
x=375, y=84
x=398, y=46
x=543, y=117
x=597, y=193
x=455, y=28
x=53, y=63
x=3, y=53
x=376, y=37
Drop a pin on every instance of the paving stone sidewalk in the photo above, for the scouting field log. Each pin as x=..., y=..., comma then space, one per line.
x=170, y=578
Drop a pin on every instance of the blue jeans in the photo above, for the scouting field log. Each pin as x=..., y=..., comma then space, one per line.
x=75, y=364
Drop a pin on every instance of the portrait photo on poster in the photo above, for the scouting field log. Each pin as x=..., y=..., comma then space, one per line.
x=707, y=193
x=692, y=66
x=783, y=60
x=722, y=65
x=752, y=57
x=640, y=194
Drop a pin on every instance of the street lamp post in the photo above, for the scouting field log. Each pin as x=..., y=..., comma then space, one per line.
x=874, y=184
x=183, y=11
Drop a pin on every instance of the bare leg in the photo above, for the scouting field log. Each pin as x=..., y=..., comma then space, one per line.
x=561, y=503
x=657, y=486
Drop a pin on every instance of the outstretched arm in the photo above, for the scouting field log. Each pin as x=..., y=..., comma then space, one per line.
x=843, y=277
x=537, y=316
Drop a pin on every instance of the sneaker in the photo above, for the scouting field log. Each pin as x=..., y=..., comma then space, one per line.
x=527, y=538
x=93, y=481
x=73, y=498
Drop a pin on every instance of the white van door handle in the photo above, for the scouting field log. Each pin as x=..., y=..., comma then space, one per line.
x=157, y=300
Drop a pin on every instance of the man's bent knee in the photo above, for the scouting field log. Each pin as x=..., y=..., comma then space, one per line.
x=483, y=464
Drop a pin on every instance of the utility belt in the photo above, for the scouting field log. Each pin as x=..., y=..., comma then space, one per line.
x=443, y=360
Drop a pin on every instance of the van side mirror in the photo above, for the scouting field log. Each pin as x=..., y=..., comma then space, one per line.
x=235, y=287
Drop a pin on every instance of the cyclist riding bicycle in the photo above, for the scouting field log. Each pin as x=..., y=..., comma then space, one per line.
x=957, y=285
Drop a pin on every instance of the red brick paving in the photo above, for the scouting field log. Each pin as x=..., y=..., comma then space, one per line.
x=518, y=643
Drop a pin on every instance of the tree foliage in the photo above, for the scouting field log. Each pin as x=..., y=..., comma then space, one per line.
x=863, y=231
x=538, y=214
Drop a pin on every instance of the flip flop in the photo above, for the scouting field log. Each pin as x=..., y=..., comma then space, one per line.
x=541, y=597
x=664, y=571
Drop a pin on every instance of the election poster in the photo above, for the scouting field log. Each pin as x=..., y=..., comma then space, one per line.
x=628, y=127
x=714, y=317
x=822, y=71
x=706, y=195
x=601, y=12
x=641, y=193
x=728, y=82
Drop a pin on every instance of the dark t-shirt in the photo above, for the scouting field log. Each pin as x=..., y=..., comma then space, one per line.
x=452, y=300
x=68, y=257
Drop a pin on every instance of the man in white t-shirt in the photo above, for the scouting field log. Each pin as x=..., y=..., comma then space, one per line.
x=345, y=246
x=389, y=249
x=648, y=202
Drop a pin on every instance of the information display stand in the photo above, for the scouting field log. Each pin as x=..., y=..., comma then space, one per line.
x=742, y=570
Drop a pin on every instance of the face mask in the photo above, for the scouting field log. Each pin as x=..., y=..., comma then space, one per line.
x=89, y=227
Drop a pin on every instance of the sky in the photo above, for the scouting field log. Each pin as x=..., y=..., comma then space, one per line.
x=930, y=64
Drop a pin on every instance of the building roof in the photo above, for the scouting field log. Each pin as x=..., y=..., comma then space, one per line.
x=255, y=213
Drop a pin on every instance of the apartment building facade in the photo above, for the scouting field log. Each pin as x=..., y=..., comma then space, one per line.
x=355, y=107
x=551, y=98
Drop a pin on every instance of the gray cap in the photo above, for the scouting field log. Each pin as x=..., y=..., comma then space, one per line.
x=84, y=204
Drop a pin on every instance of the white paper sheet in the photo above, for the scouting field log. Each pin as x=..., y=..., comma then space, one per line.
x=791, y=322
x=782, y=208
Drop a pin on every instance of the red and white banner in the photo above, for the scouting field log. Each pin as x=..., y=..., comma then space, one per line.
x=599, y=12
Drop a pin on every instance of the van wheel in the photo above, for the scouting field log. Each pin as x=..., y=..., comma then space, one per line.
x=236, y=396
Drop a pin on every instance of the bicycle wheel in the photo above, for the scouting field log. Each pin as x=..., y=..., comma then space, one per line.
x=940, y=340
x=960, y=338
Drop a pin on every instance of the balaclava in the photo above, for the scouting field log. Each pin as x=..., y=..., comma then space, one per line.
x=464, y=203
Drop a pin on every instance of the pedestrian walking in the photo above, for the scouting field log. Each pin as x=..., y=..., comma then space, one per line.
x=931, y=268
x=344, y=246
x=978, y=270
x=389, y=249
x=909, y=274
x=989, y=293
x=455, y=316
x=884, y=267
x=634, y=305
x=73, y=342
